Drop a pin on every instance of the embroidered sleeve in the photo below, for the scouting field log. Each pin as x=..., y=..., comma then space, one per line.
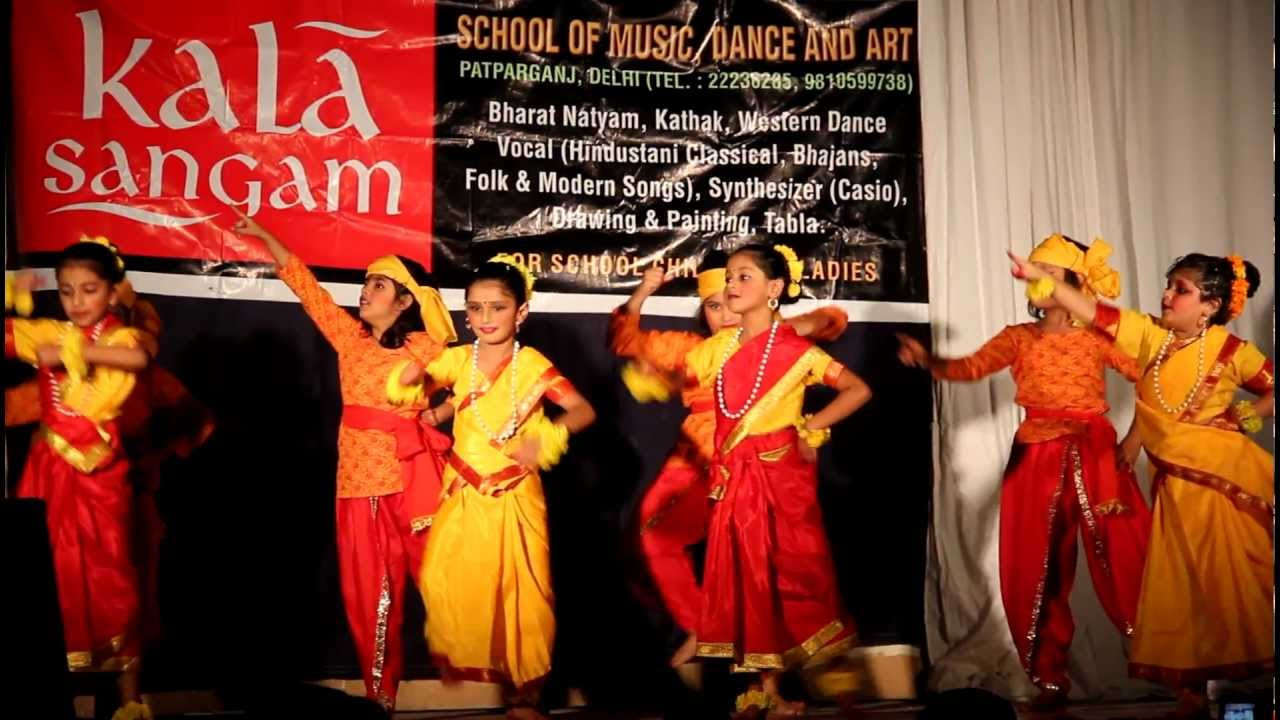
x=558, y=387
x=1254, y=369
x=997, y=354
x=1123, y=364
x=22, y=404
x=335, y=323
x=422, y=348
x=22, y=336
x=665, y=350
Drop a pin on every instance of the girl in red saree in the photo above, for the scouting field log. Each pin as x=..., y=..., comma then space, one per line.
x=86, y=370
x=674, y=510
x=1064, y=478
x=770, y=600
x=1206, y=610
x=159, y=420
x=390, y=457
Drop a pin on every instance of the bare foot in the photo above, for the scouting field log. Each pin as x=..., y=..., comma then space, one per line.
x=687, y=651
x=524, y=712
x=779, y=706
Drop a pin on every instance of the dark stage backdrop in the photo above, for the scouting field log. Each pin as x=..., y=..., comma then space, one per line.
x=646, y=132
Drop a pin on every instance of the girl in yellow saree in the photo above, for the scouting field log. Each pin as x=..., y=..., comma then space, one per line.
x=1206, y=604
x=486, y=574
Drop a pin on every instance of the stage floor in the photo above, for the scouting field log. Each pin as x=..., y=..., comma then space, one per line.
x=881, y=711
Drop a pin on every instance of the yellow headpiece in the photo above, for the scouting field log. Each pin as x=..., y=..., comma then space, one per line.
x=1099, y=278
x=509, y=259
x=435, y=316
x=104, y=242
x=710, y=282
x=795, y=269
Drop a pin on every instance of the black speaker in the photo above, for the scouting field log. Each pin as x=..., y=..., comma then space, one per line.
x=35, y=657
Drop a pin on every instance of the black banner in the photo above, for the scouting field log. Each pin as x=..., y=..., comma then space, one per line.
x=594, y=141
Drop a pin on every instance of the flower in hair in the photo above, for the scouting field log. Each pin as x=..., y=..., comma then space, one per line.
x=795, y=269
x=509, y=259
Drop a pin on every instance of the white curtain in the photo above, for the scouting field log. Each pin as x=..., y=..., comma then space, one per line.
x=1145, y=122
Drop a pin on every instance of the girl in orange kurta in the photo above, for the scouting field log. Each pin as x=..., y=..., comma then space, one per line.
x=1064, y=477
x=389, y=461
x=86, y=369
x=1207, y=603
x=673, y=513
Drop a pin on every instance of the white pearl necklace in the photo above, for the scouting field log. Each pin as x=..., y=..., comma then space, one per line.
x=755, y=388
x=57, y=384
x=1155, y=374
x=509, y=429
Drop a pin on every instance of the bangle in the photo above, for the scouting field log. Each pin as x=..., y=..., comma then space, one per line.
x=813, y=438
x=644, y=387
x=1040, y=289
x=1247, y=416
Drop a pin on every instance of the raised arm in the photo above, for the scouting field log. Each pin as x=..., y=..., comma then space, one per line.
x=1081, y=306
x=823, y=324
x=335, y=323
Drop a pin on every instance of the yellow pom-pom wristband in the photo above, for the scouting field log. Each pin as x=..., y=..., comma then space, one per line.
x=1040, y=289
x=813, y=438
x=644, y=387
x=553, y=440
x=399, y=393
x=1247, y=415
x=71, y=355
x=20, y=301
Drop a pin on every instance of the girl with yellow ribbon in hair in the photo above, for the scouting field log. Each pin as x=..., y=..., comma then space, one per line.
x=673, y=512
x=87, y=368
x=390, y=457
x=1205, y=610
x=486, y=575
x=1064, y=478
x=769, y=596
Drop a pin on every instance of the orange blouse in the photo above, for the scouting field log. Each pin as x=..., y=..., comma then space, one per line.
x=1053, y=371
x=367, y=463
x=666, y=350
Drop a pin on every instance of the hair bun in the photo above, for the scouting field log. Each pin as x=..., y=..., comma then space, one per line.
x=1253, y=277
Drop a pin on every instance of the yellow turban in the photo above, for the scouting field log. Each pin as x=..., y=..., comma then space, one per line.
x=710, y=282
x=435, y=316
x=1091, y=265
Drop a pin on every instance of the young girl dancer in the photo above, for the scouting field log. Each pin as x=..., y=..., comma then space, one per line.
x=1206, y=604
x=159, y=420
x=86, y=370
x=1063, y=473
x=769, y=588
x=389, y=463
x=486, y=575
x=673, y=513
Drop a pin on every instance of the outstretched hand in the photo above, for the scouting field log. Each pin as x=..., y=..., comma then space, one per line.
x=1024, y=269
x=911, y=353
x=247, y=225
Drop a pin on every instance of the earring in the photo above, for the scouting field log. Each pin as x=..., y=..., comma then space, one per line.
x=1204, y=320
x=773, y=303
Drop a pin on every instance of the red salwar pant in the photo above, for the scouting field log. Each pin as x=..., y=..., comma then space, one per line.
x=673, y=516
x=89, y=529
x=770, y=599
x=1054, y=491
x=378, y=546
x=377, y=549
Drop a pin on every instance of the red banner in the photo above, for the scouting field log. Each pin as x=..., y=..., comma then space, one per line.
x=142, y=121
